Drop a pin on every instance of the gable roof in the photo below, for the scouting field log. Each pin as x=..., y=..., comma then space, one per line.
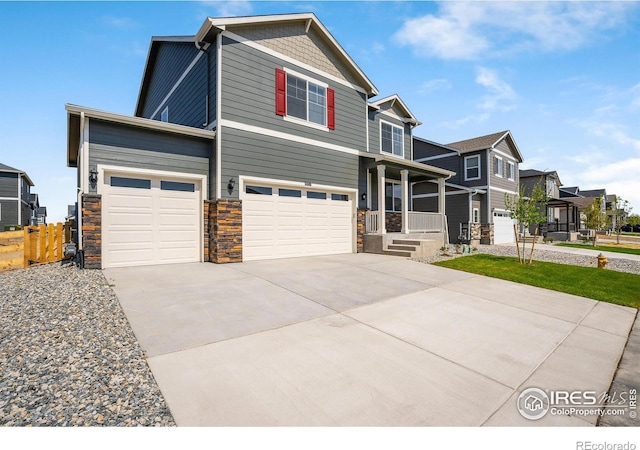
x=212, y=26
x=486, y=142
x=572, y=190
x=594, y=193
x=527, y=173
x=395, y=100
x=9, y=169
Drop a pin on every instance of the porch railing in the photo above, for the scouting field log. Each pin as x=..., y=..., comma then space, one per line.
x=425, y=221
x=371, y=222
x=419, y=222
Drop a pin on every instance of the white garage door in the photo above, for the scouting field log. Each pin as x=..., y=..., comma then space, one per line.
x=150, y=220
x=281, y=222
x=502, y=228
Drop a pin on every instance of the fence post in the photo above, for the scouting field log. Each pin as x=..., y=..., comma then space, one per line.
x=59, y=240
x=27, y=247
x=42, y=231
x=51, y=243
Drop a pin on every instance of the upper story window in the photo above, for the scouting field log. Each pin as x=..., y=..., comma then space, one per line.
x=511, y=171
x=164, y=115
x=391, y=139
x=472, y=168
x=303, y=99
x=551, y=185
x=498, y=166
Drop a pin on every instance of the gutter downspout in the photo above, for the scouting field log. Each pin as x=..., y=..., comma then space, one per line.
x=219, y=116
x=81, y=187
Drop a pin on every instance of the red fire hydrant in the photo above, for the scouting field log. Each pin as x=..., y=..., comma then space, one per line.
x=602, y=261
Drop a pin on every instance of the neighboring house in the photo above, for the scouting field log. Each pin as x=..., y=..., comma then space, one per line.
x=256, y=138
x=15, y=191
x=562, y=217
x=486, y=168
x=38, y=213
x=583, y=199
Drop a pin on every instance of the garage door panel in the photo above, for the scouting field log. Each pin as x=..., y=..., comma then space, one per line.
x=284, y=225
x=151, y=225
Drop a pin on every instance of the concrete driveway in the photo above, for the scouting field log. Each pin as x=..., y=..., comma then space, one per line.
x=362, y=340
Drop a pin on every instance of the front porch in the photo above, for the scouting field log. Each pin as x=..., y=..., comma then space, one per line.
x=391, y=226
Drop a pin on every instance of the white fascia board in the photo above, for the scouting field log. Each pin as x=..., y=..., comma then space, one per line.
x=139, y=122
x=431, y=158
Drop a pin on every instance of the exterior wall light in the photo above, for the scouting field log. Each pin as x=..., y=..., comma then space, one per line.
x=93, y=177
x=231, y=185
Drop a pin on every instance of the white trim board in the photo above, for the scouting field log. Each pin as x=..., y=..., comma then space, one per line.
x=289, y=137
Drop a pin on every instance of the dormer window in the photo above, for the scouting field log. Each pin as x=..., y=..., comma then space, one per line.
x=391, y=139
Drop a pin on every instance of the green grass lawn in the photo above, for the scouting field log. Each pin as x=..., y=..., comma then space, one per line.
x=606, y=285
x=605, y=248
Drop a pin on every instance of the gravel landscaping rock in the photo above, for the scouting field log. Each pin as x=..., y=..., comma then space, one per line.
x=619, y=264
x=68, y=356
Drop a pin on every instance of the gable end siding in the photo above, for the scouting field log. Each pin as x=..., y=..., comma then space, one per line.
x=293, y=41
x=249, y=97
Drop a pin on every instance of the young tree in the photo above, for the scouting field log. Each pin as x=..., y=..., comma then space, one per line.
x=527, y=210
x=620, y=210
x=595, y=218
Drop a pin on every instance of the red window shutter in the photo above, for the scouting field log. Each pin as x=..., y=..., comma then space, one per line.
x=281, y=92
x=331, y=109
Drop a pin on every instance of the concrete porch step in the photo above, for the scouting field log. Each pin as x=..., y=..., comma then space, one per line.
x=411, y=242
x=402, y=253
x=408, y=248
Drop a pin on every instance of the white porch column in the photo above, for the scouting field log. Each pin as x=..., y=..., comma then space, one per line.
x=382, y=229
x=441, y=195
x=404, y=179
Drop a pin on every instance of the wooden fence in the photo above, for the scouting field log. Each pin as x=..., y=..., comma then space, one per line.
x=33, y=245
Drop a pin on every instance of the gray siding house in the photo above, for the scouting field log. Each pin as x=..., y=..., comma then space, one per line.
x=562, y=217
x=15, y=190
x=256, y=138
x=486, y=169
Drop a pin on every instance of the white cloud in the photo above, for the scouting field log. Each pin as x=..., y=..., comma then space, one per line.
x=229, y=8
x=478, y=30
x=437, y=84
x=119, y=22
x=501, y=95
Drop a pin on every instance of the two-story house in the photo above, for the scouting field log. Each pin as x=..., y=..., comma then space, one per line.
x=15, y=190
x=486, y=168
x=256, y=138
x=562, y=216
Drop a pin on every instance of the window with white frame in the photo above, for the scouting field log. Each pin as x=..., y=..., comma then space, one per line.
x=393, y=196
x=476, y=215
x=391, y=139
x=551, y=184
x=472, y=168
x=303, y=99
x=498, y=166
x=511, y=171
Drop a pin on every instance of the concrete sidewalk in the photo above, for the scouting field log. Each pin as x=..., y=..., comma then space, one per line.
x=357, y=340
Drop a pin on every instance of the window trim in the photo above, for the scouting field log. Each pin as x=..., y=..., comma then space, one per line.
x=466, y=168
x=511, y=165
x=498, y=162
x=392, y=125
x=164, y=115
x=306, y=121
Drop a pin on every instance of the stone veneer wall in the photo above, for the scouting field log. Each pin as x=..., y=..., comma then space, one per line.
x=393, y=222
x=205, y=239
x=361, y=229
x=486, y=234
x=225, y=231
x=92, y=230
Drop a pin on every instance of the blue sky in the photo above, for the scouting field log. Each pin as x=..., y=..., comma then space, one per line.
x=564, y=77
